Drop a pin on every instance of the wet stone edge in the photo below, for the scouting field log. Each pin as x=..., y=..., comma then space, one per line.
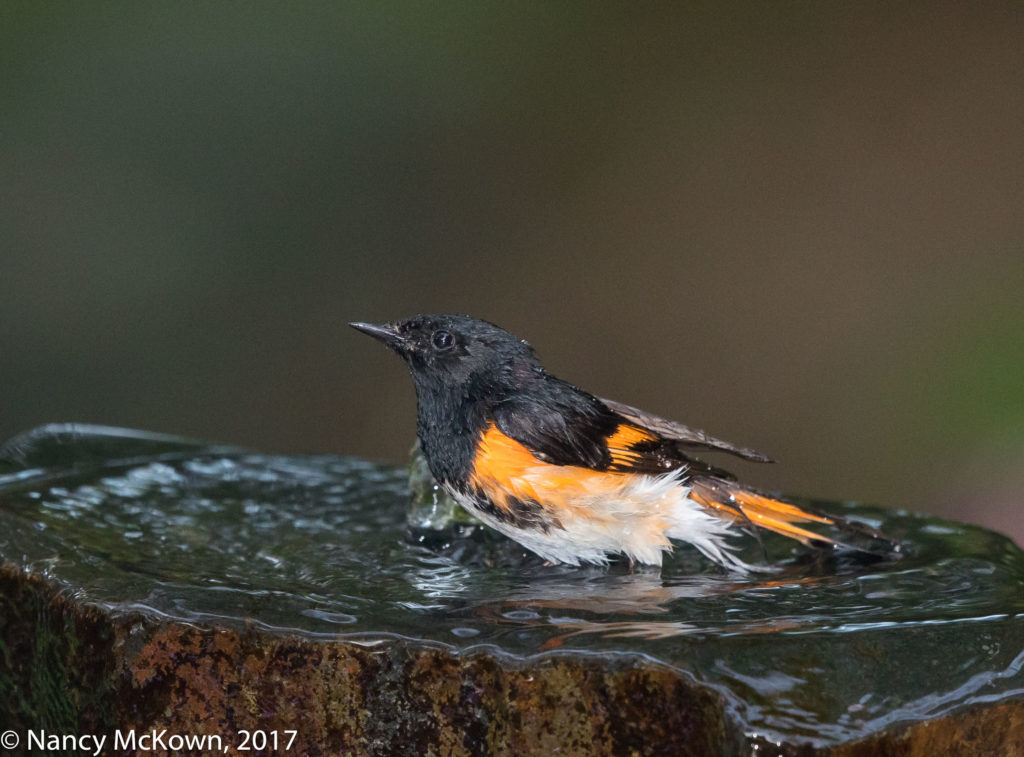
x=69, y=667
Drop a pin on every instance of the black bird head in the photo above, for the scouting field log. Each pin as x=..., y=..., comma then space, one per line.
x=446, y=352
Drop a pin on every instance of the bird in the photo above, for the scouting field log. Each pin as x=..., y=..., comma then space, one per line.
x=568, y=475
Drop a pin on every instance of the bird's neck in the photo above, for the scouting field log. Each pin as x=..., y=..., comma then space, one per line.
x=449, y=423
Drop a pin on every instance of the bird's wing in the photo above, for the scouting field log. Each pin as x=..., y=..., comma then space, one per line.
x=561, y=430
x=581, y=430
x=684, y=435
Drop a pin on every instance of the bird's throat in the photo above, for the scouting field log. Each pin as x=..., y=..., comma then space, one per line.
x=449, y=426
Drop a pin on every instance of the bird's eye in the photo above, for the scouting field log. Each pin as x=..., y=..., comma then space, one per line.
x=443, y=340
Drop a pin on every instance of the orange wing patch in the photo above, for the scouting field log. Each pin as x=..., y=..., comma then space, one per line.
x=623, y=440
x=511, y=477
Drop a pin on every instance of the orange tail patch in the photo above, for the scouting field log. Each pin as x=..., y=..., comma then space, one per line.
x=731, y=501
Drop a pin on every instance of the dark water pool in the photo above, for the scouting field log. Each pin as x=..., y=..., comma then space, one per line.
x=825, y=648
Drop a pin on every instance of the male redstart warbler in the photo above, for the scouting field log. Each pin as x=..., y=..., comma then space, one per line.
x=568, y=475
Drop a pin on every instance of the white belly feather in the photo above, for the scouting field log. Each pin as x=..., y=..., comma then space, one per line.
x=637, y=519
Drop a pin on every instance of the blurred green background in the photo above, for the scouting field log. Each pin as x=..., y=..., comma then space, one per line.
x=799, y=226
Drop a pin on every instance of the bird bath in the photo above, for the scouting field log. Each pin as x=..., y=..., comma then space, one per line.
x=141, y=550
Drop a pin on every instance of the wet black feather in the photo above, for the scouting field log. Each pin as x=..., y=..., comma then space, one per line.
x=488, y=375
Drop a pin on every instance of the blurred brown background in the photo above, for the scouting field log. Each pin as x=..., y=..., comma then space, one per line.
x=799, y=226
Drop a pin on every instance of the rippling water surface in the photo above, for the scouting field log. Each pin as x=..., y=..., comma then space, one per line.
x=822, y=648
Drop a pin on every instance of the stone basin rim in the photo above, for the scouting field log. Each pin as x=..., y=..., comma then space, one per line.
x=731, y=705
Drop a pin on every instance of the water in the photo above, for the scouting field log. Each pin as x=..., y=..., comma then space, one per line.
x=823, y=649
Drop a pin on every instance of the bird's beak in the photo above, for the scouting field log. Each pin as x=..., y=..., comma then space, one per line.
x=383, y=332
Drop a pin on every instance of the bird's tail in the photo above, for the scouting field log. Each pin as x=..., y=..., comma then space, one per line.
x=730, y=500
